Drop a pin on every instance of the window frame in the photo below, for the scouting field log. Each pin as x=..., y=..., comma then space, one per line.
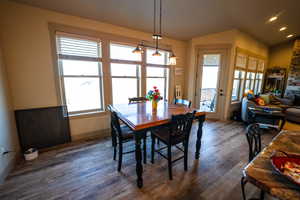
x=99, y=60
x=242, y=84
x=166, y=68
x=105, y=38
x=138, y=64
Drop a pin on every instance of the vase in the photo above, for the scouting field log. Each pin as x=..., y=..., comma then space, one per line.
x=154, y=106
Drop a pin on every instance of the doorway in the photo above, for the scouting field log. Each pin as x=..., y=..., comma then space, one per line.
x=210, y=89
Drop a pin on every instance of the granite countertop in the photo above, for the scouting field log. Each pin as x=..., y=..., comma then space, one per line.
x=261, y=173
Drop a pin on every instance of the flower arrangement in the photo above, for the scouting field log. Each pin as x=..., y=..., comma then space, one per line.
x=154, y=95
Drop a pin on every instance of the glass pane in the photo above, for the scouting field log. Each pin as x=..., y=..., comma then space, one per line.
x=237, y=74
x=235, y=95
x=76, y=67
x=209, y=89
x=259, y=86
x=123, y=52
x=82, y=93
x=155, y=71
x=241, y=89
x=123, y=69
x=160, y=60
x=248, y=75
x=211, y=59
x=247, y=86
x=210, y=78
x=259, y=76
x=159, y=83
x=123, y=88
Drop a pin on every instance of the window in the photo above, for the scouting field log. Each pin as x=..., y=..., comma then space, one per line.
x=157, y=72
x=253, y=68
x=80, y=70
x=238, y=83
x=258, y=83
x=125, y=70
x=249, y=81
x=125, y=82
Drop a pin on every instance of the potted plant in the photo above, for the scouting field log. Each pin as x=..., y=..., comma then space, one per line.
x=154, y=96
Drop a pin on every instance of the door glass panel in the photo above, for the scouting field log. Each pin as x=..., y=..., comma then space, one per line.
x=210, y=79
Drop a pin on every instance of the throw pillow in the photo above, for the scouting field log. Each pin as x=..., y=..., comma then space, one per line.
x=260, y=101
x=266, y=98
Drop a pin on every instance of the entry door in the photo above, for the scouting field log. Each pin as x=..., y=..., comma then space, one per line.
x=210, y=88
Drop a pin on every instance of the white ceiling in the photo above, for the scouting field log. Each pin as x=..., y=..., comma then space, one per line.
x=184, y=19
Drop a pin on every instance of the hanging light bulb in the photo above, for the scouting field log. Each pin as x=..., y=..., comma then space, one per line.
x=137, y=50
x=156, y=53
x=172, y=59
x=156, y=36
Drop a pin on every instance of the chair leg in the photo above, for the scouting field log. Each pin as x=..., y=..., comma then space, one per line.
x=152, y=148
x=115, y=152
x=243, y=183
x=170, y=162
x=120, y=154
x=145, y=149
x=262, y=195
x=185, y=156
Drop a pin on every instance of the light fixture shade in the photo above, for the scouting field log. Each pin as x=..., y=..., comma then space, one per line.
x=156, y=53
x=156, y=37
x=137, y=50
x=172, y=59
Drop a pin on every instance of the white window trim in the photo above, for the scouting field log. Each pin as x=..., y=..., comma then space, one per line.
x=105, y=38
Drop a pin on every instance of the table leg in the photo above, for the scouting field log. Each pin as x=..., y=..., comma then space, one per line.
x=201, y=120
x=138, y=157
x=283, y=120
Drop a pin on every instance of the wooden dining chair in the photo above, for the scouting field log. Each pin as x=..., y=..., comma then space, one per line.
x=121, y=134
x=137, y=99
x=253, y=136
x=183, y=102
x=176, y=132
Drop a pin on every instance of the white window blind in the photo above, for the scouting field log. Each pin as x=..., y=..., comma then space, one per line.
x=73, y=47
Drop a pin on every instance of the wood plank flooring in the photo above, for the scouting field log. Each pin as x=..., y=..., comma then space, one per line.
x=86, y=170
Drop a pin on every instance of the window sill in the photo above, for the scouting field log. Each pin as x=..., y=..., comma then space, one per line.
x=88, y=114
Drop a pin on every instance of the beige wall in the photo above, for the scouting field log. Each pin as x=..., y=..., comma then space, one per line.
x=8, y=134
x=281, y=55
x=26, y=40
x=234, y=38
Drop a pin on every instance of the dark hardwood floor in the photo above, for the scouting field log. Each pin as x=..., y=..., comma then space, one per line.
x=86, y=170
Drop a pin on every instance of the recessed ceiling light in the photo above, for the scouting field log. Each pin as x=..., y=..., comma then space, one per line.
x=290, y=35
x=282, y=28
x=272, y=19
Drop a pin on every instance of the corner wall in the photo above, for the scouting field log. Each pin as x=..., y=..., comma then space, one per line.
x=8, y=133
x=281, y=55
x=233, y=37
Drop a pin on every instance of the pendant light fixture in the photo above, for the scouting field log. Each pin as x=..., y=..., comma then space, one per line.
x=172, y=59
x=139, y=48
x=157, y=35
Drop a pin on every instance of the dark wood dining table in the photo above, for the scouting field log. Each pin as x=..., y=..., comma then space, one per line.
x=140, y=118
x=261, y=173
